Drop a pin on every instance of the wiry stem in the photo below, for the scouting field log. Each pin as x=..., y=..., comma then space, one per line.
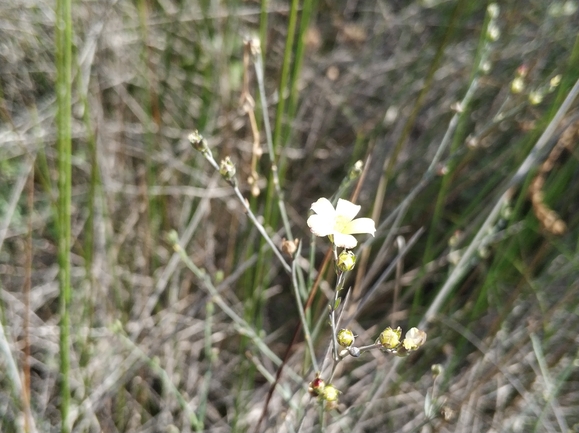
x=199, y=142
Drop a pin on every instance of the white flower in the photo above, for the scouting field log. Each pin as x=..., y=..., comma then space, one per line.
x=339, y=223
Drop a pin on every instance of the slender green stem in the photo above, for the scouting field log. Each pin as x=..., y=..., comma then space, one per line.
x=258, y=64
x=64, y=97
x=390, y=163
x=455, y=139
x=263, y=26
x=287, y=58
x=339, y=287
x=550, y=390
x=305, y=327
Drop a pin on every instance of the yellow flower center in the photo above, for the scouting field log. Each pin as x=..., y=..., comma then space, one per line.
x=341, y=224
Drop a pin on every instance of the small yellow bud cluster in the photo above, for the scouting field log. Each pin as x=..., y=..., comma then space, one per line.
x=390, y=340
x=536, y=96
x=325, y=393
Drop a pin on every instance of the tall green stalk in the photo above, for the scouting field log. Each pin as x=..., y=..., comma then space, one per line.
x=63, y=121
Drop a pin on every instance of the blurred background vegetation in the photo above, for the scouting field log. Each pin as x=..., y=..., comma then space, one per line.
x=378, y=81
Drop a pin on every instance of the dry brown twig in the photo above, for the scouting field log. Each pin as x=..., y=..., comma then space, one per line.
x=548, y=218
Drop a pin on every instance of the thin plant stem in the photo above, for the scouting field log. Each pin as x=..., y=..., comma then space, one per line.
x=197, y=140
x=10, y=366
x=28, y=420
x=481, y=56
x=307, y=334
x=550, y=387
x=283, y=85
x=332, y=307
x=309, y=302
x=209, y=309
x=258, y=64
x=63, y=97
x=271, y=379
x=261, y=229
x=390, y=162
x=370, y=292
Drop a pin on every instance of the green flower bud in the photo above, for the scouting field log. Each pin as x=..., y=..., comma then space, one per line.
x=356, y=170
x=413, y=339
x=436, y=370
x=173, y=237
x=346, y=261
x=493, y=10
x=345, y=337
x=198, y=142
x=535, y=97
x=390, y=338
x=486, y=67
x=227, y=170
x=493, y=32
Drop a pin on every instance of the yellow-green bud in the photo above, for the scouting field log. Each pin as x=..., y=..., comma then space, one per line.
x=356, y=170
x=345, y=337
x=173, y=237
x=346, y=261
x=390, y=338
x=330, y=393
x=535, y=97
x=493, y=32
x=436, y=370
x=554, y=82
x=486, y=66
x=413, y=339
x=227, y=170
x=493, y=10
x=517, y=85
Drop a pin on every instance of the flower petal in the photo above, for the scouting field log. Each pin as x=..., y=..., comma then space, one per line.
x=345, y=241
x=324, y=208
x=320, y=225
x=347, y=209
x=360, y=225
